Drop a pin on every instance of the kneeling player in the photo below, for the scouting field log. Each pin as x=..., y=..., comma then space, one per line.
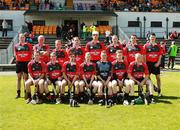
x=36, y=69
x=120, y=67
x=104, y=74
x=87, y=72
x=138, y=74
x=54, y=76
x=70, y=73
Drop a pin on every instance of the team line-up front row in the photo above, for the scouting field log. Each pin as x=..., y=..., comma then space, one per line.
x=98, y=70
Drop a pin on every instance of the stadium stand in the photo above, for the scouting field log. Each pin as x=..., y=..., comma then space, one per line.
x=4, y=42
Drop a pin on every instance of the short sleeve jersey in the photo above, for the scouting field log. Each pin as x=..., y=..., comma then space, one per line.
x=153, y=52
x=61, y=55
x=119, y=69
x=95, y=50
x=36, y=69
x=45, y=47
x=87, y=70
x=54, y=71
x=138, y=70
x=23, y=53
x=104, y=69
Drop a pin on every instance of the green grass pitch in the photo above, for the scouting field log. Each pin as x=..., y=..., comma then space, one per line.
x=165, y=115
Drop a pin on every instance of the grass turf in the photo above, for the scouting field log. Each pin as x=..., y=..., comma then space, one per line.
x=165, y=115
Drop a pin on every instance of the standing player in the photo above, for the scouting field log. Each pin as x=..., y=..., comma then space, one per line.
x=37, y=70
x=23, y=54
x=112, y=48
x=104, y=74
x=42, y=48
x=77, y=50
x=139, y=74
x=71, y=74
x=54, y=76
x=120, y=67
x=132, y=48
x=61, y=54
x=154, y=53
x=95, y=47
x=87, y=73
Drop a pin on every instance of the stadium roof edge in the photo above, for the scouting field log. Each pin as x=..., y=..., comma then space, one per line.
x=75, y=12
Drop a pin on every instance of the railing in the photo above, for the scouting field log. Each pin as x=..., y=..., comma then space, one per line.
x=122, y=35
x=6, y=55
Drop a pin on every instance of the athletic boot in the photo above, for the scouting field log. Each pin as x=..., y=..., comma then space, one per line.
x=18, y=94
x=28, y=98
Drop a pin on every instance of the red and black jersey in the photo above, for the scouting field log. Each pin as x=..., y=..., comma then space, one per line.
x=104, y=69
x=119, y=69
x=88, y=70
x=61, y=56
x=131, y=50
x=153, y=52
x=78, y=52
x=138, y=70
x=36, y=69
x=70, y=69
x=23, y=53
x=95, y=50
x=39, y=48
x=54, y=71
x=111, y=51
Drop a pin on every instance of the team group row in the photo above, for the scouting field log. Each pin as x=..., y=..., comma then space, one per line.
x=93, y=69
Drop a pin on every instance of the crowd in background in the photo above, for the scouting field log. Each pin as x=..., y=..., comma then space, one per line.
x=119, y=5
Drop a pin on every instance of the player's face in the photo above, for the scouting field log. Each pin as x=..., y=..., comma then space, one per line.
x=41, y=40
x=95, y=36
x=119, y=56
x=139, y=58
x=88, y=57
x=114, y=39
x=103, y=56
x=37, y=57
x=72, y=58
x=58, y=45
x=22, y=38
x=53, y=58
x=76, y=41
x=133, y=39
x=152, y=38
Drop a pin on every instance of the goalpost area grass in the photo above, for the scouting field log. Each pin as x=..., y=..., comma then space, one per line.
x=164, y=115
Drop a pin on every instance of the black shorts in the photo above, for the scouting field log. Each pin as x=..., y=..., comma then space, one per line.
x=53, y=81
x=140, y=79
x=22, y=67
x=152, y=69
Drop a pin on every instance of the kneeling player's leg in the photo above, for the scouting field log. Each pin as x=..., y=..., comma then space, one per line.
x=95, y=87
x=62, y=89
x=46, y=89
x=81, y=86
x=150, y=89
x=114, y=86
x=76, y=84
x=100, y=88
x=28, y=83
x=41, y=89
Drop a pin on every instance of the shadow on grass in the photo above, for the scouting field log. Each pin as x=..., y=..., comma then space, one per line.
x=164, y=99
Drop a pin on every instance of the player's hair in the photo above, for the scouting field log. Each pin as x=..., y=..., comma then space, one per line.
x=118, y=51
x=103, y=52
x=152, y=34
x=57, y=41
x=87, y=53
x=40, y=36
x=74, y=38
x=35, y=53
x=53, y=54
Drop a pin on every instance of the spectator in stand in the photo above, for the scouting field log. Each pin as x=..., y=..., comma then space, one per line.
x=29, y=25
x=172, y=52
x=58, y=31
x=4, y=28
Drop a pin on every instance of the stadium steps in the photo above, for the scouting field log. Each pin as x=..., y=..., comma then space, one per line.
x=4, y=42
